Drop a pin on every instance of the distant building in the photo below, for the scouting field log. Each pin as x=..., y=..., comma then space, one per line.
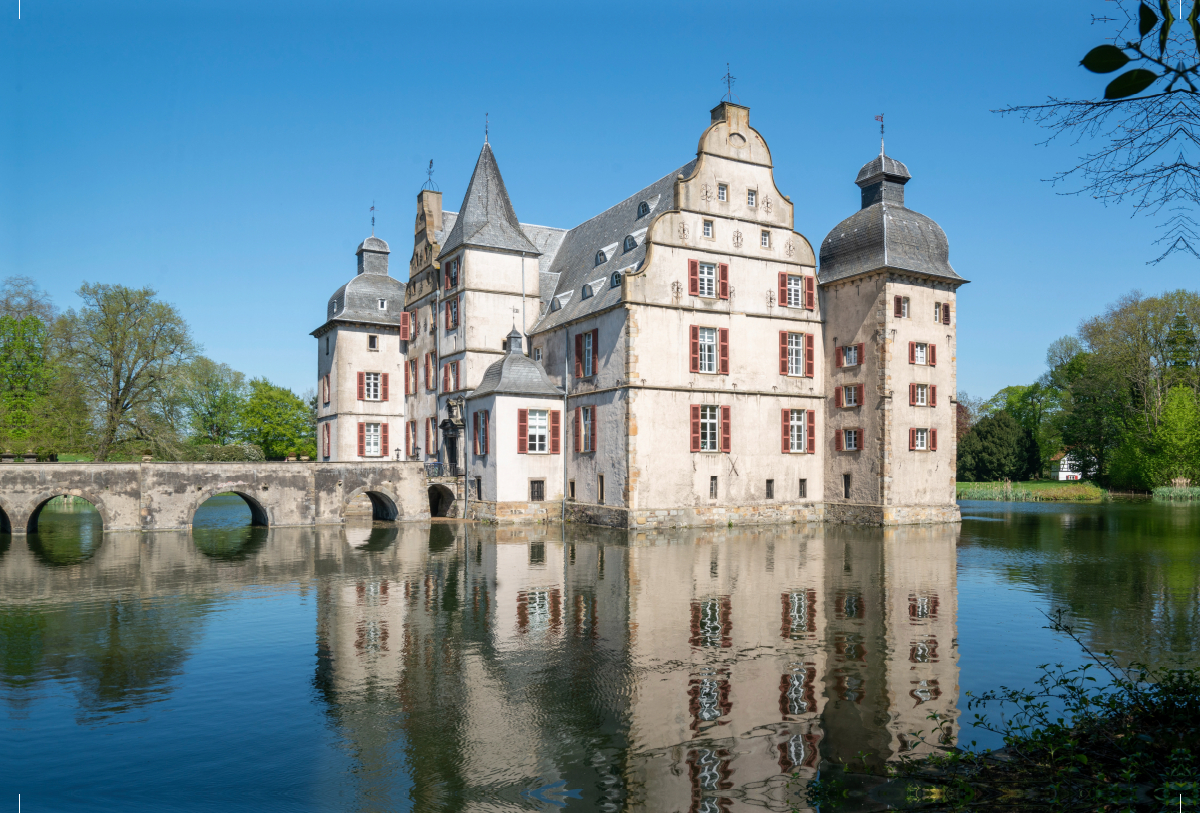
x=675, y=360
x=1065, y=467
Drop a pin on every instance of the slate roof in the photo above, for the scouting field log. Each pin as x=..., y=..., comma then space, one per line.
x=486, y=218
x=358, y=299
x=574, y=264
x=373, y=243
x=885, y=234
x=515, y=374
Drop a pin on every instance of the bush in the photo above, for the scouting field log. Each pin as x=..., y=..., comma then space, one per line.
x=231, y=453
x=1177, y=493
x=998, y=448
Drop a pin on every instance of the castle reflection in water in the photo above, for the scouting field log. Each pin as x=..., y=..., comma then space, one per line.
x=691, y=670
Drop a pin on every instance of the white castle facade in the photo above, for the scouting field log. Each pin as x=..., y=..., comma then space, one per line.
x=679, y=359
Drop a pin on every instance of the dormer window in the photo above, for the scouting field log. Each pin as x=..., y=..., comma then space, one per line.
x=383, y=304
x=630, y=243
x=601, y=258
x=643, y=209
x=587, y=292
x=615, y=280
x=555, y=306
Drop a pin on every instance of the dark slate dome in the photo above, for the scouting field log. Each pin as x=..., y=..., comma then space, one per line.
x=515, y=374
x=885, y=233
x=358, y=299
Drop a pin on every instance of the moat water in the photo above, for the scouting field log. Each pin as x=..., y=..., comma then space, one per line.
x=452, y=667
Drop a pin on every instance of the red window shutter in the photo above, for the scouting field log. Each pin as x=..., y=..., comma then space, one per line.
x=862, y=391
x=810, y=293
x=426, y=371
x=837, y=396
x=912, y=440
x=723, y=348
x=578, y=422
x=912, y=394
x=446, y=275
x=786, y=438
x=838, y=358
x=933, y=440
x=812, y=431
x=945, y=313
x=694, y=277
x=487, y=430
x=838, y=443
x=932, y=395
x=809, y=352
x=723, y=280
x=555, y=422
x=579, y=355
x=407, y=380
x=912, y=352
x=383, y=439
x=475, y=432
x=522, y=431
x=726, y=429
x=405, y=326
x=383, y=386
x=783, y=352
x=362, y=386
x=408, y=439
x=694, y=349
x=596, y=351
x=783, y=301
x=695, y=428
x=933, y=355
x=899, y=307
x=445, y=378
x=862, y=359
x=595, y=421
x=362, y=439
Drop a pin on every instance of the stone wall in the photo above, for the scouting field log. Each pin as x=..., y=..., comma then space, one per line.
x=861, y=514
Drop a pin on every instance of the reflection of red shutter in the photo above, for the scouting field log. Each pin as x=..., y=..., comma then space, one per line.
x=810, y=364
x=579, y=355
x=578, y=420
x=723, y=346
x=810, y=293
x=362, y=377
x=694, y=349
x=899, y=309
x=694, y=277
x=838, y=358
x=933, y=396
x=933, y=440
x=786, y=444
x=522, y=431
x=362, y=439
x=383, y=440
x=783, y=352
x=838, y=443
x=783, y=289
x=726, y=430
x=555, y=421
x=405, y=326
x=912, y=352
x=812, y=431
x=383, y=378
x=723, y=280
x=695, y=428
x=933, y=355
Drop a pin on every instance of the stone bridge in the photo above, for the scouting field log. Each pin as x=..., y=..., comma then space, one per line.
x=165, y=496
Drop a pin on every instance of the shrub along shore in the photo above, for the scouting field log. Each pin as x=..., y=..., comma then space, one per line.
x=1035, y=491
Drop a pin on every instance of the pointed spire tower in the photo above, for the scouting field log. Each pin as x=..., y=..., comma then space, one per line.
x=486, y=218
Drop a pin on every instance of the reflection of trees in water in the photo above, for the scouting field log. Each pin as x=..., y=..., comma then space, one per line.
x=231, y=544
x=68, y=532
x=1130, y=573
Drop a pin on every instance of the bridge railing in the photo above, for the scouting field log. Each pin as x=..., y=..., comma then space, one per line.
x=436, y=468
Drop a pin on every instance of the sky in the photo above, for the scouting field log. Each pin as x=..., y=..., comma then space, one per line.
x=227, y=154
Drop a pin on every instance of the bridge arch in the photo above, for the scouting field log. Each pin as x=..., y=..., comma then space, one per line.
x=29, y=520
x=441, y=500
x=260, y=514
x=6, y=517
x=385, y=505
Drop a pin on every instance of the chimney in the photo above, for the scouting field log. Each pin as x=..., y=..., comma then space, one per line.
x=737, y=115
x=429, y=216
x=373, y=256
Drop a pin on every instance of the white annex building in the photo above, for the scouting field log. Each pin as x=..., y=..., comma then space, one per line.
x=679, y=359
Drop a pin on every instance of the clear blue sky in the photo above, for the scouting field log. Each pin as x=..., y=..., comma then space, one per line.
x=227, y=153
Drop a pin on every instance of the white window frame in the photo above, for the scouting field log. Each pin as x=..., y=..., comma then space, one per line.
x=765, y=239
x=708, y=228
x=372, y=386
x=797, y=428
x=904, y=307
x=383, y=304
x=751, y=197
x=850, y=356
x=795, y=349
x=722, y=192
x=920, y=353
x=921, y=440
x=707, y=285
x=589, y=355
x=708, y=349
x=538, y=431
x=537, y=354
x=850, y=395
x=795, y=291
x=372, y=440
x=710, y=428
x=453, y=273
x=850, y=440
x=587, y=415
x=373, y=343
x=922, y=395
x=937, y=311
x=452, y=304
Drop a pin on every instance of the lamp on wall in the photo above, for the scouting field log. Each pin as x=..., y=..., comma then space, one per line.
x=397, y=451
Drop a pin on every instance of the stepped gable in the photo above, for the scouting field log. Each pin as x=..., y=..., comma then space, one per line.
x=885, y=233
x=515, y=374
x=486, y=218
x=576, y=263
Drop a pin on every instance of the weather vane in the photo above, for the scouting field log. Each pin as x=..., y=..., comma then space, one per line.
x=485, y=128
x=879, y=119
x=728, y=79
x=429, y=182
x=372, y=218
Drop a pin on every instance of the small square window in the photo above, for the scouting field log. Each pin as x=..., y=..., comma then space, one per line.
x=571, y=491
x=712, y=487
x=708, y=228
x=751, y=197
x=537, y=490
x=537, y=354
x=479, y=488
x=803, y=491
x=770, y=489
x=383, y=304
x=722, y=192
x=372, y=342
x=766, y=239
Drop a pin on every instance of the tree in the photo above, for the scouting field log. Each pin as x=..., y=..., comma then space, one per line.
x=125, y=346
x=1148, y=121
x=21, y=297
x=213, y=396
x=277, y=420
x=1177, y=441
x=24, y=378
x=997, y=448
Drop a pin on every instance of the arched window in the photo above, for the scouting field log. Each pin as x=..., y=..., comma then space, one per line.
x=615, y=281
x=630, y=243
x=643, y=209
x=601, y=258
x=587, y=292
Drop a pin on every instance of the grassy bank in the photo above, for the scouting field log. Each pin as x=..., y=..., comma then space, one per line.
x=1178, y=493
x=1034, y=491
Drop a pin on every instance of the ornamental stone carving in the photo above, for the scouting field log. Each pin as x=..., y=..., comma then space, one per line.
x=706, y=193
x=684, y=231
x=737, y=238
x=788, y=248
x=767, y=203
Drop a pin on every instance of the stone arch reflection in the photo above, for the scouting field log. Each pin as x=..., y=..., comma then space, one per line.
x=65, y=530
x=230, y=509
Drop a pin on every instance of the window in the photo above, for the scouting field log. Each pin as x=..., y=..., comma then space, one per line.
x=795, y=351
x=537, y=490
x=615, y=280
x=600, y=490
x=920, y=353
x=937, y=311
x=538, y=424
x=722, y=192
x=601, y=258
x=765, y=239
x=371, y=387
x=537, y=354
x=795, y=291
x=848, y=440
x=412, y=376
x=920, y=439
x=751, y=197
x=586, y=440
x=770, y=489
x=327, y=345
x=846, y=486
x=630, y=243
x=643, y=209
x=383, y=304
x=325, y=390
x=708, y=228
x=571, y=491
x=850, y=356
x=372, y=342
x=708, y=429
x=451, y=313
x=481, y=431
x=796, y=439
x=587, y=292
x=479, y=488
x=708, y=279
x=900, y=307
x=803, y=491
x=450, y=377
x=712, y=487
x=452, y=274
x=920, y=395
x=708, y=349
x=850, y=395
x=371, y=442
x=588, y=354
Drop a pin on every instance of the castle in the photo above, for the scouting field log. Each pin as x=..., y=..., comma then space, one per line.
x=676, y=360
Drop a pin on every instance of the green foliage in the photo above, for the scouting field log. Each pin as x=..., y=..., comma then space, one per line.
x=24, y=378
x=229, y=453
x=213, y=396
x=1052, y=491
x=277, y=420
x=997, y=448
x=1177, y=493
